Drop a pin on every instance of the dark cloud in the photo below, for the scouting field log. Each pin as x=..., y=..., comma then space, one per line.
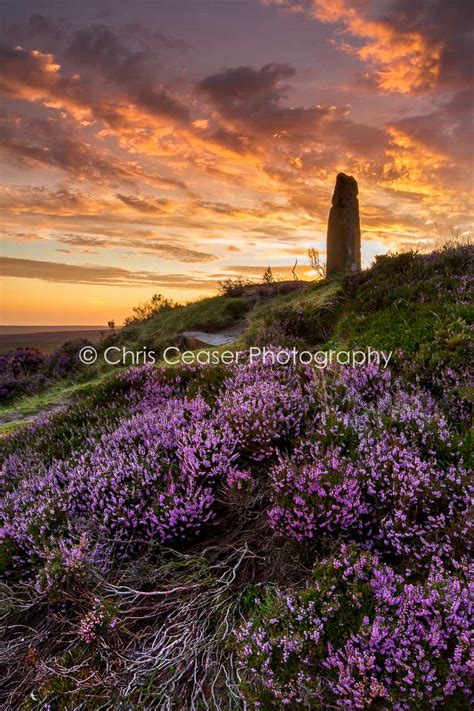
x=102, y=49
x=251, y=99
x=38, y=27
x=448, y=128
x=146, y=244
x=60, y=201
x=230, y=140
x=221, y=208
x=99, y=47
x=57, y=143
x=91, y=274
x=244, y=84
x=367, y=141
x=54, y=143
x=35, y=75
x=146, y=206
x=447, y=23
x=76, y=240
x=173, y=252
x=124, y=54
x=118, y=52
x=159, y=102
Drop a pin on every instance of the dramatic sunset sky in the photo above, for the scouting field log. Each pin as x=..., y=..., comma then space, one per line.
x=162, y=146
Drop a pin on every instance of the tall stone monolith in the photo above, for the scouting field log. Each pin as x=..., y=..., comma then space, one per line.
x=343, y=241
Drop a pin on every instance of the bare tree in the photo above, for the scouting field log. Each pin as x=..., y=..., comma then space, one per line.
x=293, y=271
x=315, y=263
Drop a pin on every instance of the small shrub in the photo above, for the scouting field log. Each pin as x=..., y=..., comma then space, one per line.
x=233, y=287
x=149, y=309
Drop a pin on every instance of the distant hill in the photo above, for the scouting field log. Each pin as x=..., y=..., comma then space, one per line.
x=41, y=328
x=46, y=338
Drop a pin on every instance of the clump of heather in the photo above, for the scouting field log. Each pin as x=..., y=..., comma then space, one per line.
x=18, y=466
x=360, y=387
x=20, y=373
x=150, y=388
x=72, y=563
x=360, y=635
x=265, y=406
x=314, y=494
x=128, y=485
x=96, y=622
x=454, y=388
x=417, y=508
x=371, y=400
x=415, y=415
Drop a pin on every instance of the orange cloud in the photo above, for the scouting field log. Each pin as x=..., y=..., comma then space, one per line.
x=418, y=169
x=402, y=57
x=401, y=61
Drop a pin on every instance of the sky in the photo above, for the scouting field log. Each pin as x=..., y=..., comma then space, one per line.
x=163, y=146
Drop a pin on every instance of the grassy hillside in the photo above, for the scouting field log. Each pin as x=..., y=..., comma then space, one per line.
x=210, y=314
x=418, y=305
x=406, y=302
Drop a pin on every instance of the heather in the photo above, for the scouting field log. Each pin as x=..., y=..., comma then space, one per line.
x=247, y=536
x=359, y=634
x=26, y=371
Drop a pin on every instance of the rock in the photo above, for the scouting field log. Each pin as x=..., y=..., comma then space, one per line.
x=194, y=340
x=343, y=240
x=199, y=339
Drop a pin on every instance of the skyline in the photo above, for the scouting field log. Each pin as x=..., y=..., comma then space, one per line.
x=165, y=146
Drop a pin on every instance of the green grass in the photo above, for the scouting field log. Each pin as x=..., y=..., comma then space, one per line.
x=312, y=299
x=25, y=409
x=391, y=328
x=408, y=322
x=404, y=302
x=211, y=314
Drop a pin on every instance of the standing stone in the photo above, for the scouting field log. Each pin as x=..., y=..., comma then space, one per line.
x=343, y=242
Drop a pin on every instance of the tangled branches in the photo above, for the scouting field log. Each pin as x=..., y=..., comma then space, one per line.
x=158, y=627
